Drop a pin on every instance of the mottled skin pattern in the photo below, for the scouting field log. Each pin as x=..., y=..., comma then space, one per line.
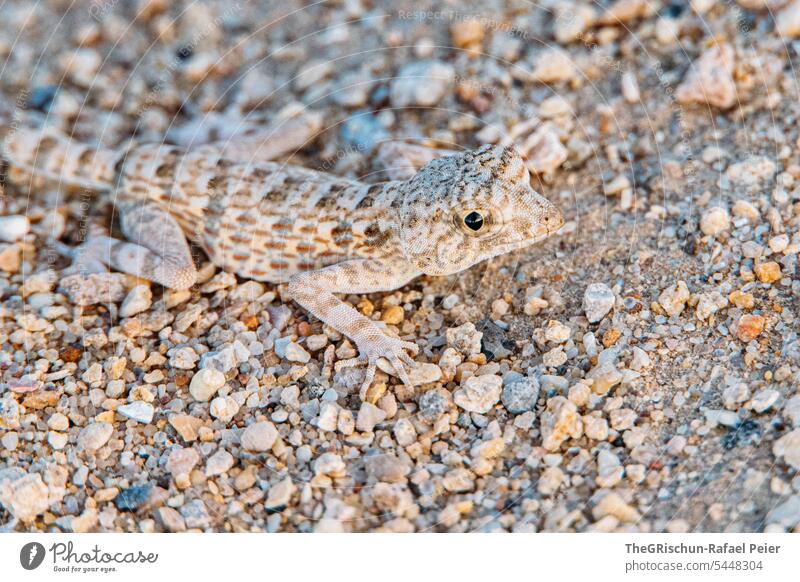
x=321, y=233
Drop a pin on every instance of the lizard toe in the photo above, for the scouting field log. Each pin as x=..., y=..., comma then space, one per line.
x=370, y=375
x=410, y=346
x=400, y=368
x=392, y=349
x=349, y=363
x=406, y=359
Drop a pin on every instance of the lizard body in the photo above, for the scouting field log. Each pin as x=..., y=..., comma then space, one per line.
x=322, y=234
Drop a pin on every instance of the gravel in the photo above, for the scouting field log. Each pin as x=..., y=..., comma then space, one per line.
x=636, y=372
x=421, y=84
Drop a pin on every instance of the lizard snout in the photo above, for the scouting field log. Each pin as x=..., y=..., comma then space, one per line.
x=552, y=219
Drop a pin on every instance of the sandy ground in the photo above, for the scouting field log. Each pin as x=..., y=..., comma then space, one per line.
x=637, y=372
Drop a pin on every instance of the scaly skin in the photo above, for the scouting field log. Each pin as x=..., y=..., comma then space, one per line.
x=320, y=233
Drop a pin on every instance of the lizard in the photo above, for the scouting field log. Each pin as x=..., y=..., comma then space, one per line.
x=321, y=233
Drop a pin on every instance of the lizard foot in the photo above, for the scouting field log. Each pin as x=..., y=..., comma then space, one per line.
x=375, y=346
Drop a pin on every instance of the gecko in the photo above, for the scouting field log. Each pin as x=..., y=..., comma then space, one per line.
x=320, y=233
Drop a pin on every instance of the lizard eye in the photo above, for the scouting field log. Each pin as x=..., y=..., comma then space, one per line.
x=474, y=221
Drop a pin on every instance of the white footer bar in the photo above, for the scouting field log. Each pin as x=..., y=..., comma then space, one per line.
x=387, y=557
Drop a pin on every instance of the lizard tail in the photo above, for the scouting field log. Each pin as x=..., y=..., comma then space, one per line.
x=55, y=157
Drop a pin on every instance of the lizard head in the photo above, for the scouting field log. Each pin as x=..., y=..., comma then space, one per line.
x=465, y=208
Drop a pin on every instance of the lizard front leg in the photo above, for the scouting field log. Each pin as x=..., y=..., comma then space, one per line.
x=315, y=290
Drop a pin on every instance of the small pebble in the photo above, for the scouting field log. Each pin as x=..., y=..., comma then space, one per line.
x=479, y=393
x=598, y=300
x=328, y=416
x=205, y=384
x=673, y=299
x=259, y=437
x=25, y=497
x=137, y=410
x=553, y=65
x=94, y=288
x=13, y=228
x=559, y=422
x=749, y=327
x=788, y=448
x=181, y=461
x=138, y=300
x=279, y=494
x=764, y=400
x=368, y=416
x=715, y=221
x=710, y=78
x=521, y=396
x=132, y=498
x=768, y=272
x=421, y=84
x=330, y=464
x=296, y=353
x=223, y=408
x=94, y=436
x=404, y=432
x=219, y=463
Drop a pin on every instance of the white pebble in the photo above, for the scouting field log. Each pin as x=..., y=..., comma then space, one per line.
x=94, y=436
x=673, y=299
x=138, y=410
x=479, y=393
x=368, y=416
x=25, y=497
x=295, y=353
x=630, y=87
x=328, y=416
x=715, y=221
x=329, y=464
x=138, y=300
x=223, y=408
x=598, y=300
x=57, y=440
x=764, y=400
x=205, y=384
x=259, y=437
x=219, y=463
x=557, y=332
x=58, y=421
x=404, y=432
x=13, y=227
x=777, y=244
x=184, y=358
x=788, y=447
x=421, y=84
x=723, y=417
